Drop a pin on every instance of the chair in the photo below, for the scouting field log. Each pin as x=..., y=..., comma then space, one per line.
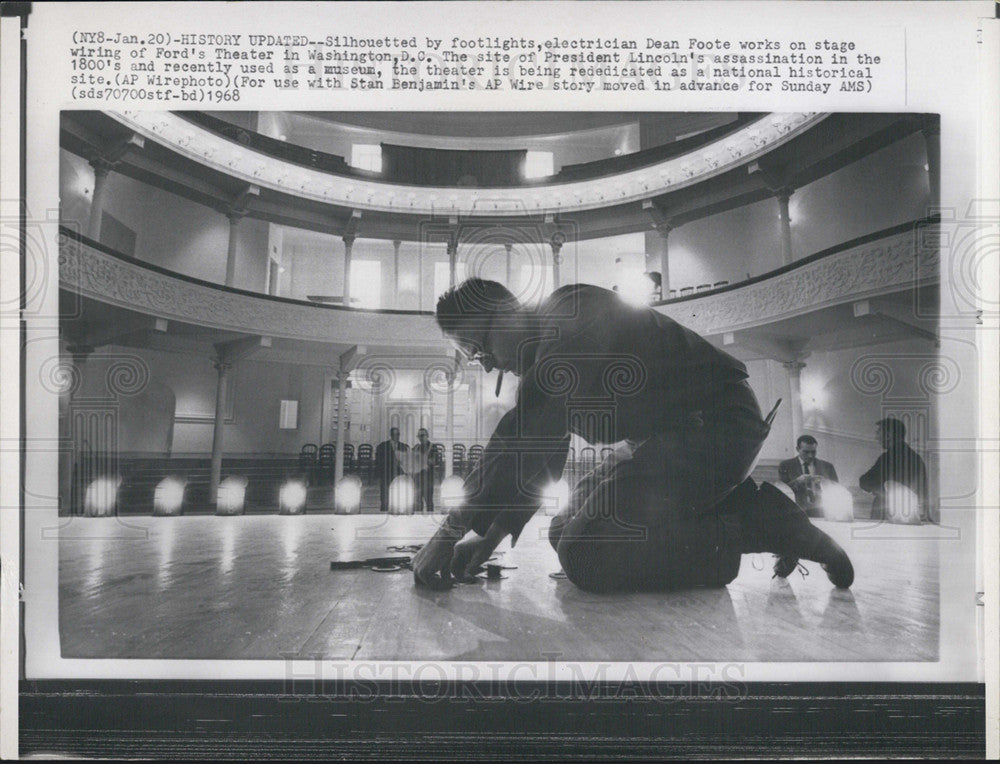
x=307, y=457
x=458, y=459
x=685, y=291
x=327, y=462
x=348, y=457
x=704, y=287
x=366, y=461
x=719, y=284
x=475, y=456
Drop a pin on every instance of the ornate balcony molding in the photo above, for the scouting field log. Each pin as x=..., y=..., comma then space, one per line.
x=93, y=273
x=899, y=261
x=212, y=150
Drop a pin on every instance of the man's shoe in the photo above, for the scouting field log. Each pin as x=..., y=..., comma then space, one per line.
x=785, y=566
x=774, y=523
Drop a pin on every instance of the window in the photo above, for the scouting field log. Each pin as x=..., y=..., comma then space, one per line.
x=366, y=284
x=288, y=418
x=441, y=277
x=539, y=164
x=367, y=156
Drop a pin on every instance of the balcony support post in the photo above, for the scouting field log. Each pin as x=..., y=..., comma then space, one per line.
x=101, y=169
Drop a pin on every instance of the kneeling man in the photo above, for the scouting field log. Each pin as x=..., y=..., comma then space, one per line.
x=680, y=510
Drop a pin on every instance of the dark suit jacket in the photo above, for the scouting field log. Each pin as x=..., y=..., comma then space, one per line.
x=387, y=465
x=900, y=464
x=790, y=469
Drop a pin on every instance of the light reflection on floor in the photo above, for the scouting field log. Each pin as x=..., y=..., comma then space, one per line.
x=261, y=587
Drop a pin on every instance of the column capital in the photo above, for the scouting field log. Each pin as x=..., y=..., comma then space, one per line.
x=396, y=244
x=102, y=165
x=348, y=240
x=784, y=193
x=80, y=352
x=223, y=367
x=794, y=367
x=235, y=214
x=508, y=246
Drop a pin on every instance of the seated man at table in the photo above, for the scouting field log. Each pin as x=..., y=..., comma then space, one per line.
x=680, y=510
x=898, y=465
x=805, y=475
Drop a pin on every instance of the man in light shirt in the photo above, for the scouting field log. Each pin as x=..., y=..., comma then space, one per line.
x=805, y=474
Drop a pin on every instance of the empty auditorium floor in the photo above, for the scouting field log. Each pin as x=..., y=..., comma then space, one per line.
x=260, y=587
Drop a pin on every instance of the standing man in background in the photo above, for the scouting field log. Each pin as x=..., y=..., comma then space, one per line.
x=387, y=464
x=424, y=459
x=805, y=475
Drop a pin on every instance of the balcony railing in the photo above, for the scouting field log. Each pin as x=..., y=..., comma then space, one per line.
x=893, y=260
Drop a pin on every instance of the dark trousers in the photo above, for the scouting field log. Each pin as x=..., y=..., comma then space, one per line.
x=424, y=483
x=660, y=520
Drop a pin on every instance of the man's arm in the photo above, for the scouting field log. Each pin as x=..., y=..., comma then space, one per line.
x=526, y=452
x=833, y=473
x=785, y=473
x=873, y=480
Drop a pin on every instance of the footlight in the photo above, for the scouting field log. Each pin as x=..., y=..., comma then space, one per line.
x=101, y=497
x=452, y=491
x=401, y=496
x=168, y=498
x=232, y=491
x=555, y=497
x=347, y=496
x=837, y=503
x=292, y=498
x=901, y=504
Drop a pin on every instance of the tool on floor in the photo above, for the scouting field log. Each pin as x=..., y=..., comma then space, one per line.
x=378, y=564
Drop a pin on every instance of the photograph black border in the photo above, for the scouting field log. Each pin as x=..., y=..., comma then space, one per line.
x=258, y=720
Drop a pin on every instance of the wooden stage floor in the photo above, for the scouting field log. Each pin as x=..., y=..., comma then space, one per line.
x=260, y=587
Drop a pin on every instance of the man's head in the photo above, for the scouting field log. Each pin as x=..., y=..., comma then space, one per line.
x=890, y=431
x=473, y=314
x=422, y=436
x=394, y=434
x=806, y=448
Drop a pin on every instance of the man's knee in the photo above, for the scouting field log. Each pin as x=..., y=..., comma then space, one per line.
x=592, y=565
x=556, y=528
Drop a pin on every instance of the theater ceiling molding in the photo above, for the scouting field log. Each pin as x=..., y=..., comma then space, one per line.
x=214, y=151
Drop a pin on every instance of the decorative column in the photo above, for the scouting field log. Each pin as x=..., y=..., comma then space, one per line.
x=452, y=260
x=794, y=371
x=664, y=231
x=556, y=243
x=218, y=433
x=786, y=225
x=348, y=245
x=338, y=461
x=449, y=422
x=420, y=278
x=932, y=141
x=510, y=273
x=101, y=169
x=395, y=272
x=235, y=216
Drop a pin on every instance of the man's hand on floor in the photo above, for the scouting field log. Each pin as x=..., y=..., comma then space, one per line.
x=432, y=564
